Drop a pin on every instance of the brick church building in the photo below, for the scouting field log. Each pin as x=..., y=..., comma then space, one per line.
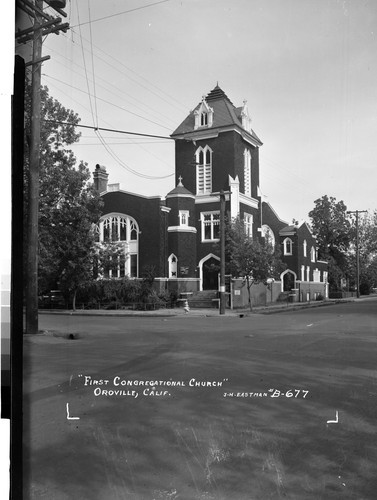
x=215, y=149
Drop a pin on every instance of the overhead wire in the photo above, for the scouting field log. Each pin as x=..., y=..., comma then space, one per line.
x=94, y=79
x=107, y=102
x=150, y=110
x=86, y=73
x=127, y=167
x=116, y=68
x=121, y=13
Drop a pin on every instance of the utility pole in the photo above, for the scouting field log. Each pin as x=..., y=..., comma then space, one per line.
x=43, y=25
x=33, y=186
x=222, y=194
x=222, y=252
x=357, y=212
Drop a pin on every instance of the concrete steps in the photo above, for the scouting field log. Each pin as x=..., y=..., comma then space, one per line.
x=207, y=299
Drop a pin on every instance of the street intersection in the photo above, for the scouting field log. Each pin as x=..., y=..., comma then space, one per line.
x=192, y=407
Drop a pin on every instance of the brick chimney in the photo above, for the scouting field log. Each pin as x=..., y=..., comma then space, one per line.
x=100, y=177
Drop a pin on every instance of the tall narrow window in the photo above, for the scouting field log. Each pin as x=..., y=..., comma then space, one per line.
x=248, y=223
x=183, y=217
x=305, y=247
x=247, y=172
x=312, y=254
x=287, y=246
x=268, y=236
x=133, y=266
x=173, y=264
x=203, y=170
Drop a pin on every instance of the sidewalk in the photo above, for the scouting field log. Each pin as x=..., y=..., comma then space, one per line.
x=179, y=311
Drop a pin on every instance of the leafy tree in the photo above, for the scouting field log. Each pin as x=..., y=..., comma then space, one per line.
x=68, y=203
x=253, y=260
x=334, y=233
x=367, y=252
x=109, y=256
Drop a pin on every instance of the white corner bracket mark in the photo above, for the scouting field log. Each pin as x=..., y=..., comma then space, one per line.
x=71, y=418
x=336, y=419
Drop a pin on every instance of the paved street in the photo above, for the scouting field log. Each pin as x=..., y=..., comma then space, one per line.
x=203, y=408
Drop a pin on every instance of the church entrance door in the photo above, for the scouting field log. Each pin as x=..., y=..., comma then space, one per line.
x=211, y=269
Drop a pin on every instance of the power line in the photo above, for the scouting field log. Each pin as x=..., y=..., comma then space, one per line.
x=111, y=130
x=127, y=167
x=86, y=73
x=107, y=102
x=120, y=13
x=107, y=89
x=94, y=79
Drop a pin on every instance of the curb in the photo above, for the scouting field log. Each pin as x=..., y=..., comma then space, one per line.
x=196, y=312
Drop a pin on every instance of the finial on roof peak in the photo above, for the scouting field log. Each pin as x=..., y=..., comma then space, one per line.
x=180, y=181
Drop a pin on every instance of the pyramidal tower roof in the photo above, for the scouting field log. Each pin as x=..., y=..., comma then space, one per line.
x=224, y=115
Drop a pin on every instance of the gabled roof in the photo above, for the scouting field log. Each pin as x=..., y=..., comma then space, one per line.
x=294, y=228
x=288, y=230
x=225, y=114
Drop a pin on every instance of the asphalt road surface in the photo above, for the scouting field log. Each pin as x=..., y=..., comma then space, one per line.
x=278, y=406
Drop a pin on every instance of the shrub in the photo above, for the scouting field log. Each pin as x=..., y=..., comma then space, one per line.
x=364, y=288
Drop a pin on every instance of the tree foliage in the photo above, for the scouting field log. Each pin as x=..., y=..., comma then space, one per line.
x=332, y=228
x=367, y=229
x=253, y=260
x=68, y=203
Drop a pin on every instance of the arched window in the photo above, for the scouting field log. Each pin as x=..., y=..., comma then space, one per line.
x=312, y=254
x=124, y=229
x=203, y=118
x=305, y=246
x=203, y=170
x=268, y=235
x=173, y=265
x=287, y=246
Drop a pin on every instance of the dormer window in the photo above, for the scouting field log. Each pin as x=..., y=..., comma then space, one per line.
x=203, y=115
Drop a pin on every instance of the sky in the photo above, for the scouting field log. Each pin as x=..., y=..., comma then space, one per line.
x=307, y=68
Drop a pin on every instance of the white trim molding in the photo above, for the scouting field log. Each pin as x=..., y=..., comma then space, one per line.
x=182, y=229
x=247, y=200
